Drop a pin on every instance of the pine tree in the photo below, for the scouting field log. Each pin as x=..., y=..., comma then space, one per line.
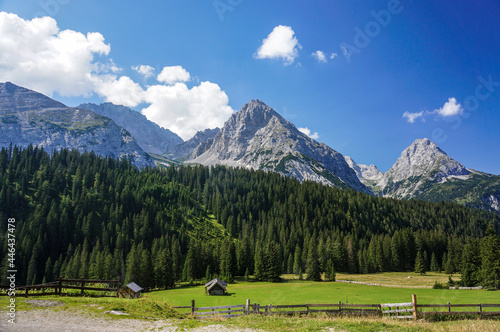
x=434, y=263
x=330, y=270
x=259, y=264
x=297, y=262
x=490, y=259
x=420, y=264
x=147, y=280
x=312, y=264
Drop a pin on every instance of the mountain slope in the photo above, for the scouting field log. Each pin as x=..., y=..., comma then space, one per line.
x=28, y=117
x=368, y=175
x=423, y=162
x=188, y=146
x=150, y=136
x=424, y=171
x=257, y=137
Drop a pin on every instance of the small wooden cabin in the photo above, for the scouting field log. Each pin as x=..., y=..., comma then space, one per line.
x=131, y=291
x=215, y=287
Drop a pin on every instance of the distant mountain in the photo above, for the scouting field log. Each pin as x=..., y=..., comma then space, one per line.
x=422, y=162
x=28, y=117
x=368, y=175
x=424, y=171
x=150, y=136
x=257, y=137
x=190, y=145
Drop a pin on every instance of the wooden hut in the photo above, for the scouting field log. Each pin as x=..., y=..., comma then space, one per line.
x=131, y=290
x=215, y=287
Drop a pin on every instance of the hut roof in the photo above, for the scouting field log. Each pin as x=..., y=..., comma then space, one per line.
x=214, y=281
x=134, y=287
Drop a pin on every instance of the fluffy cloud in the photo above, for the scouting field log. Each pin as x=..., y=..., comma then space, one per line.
x=320, y=56
x=281, y=43
x=411, y=117
x=186, y=111
x=449, y=109
x=122, y=91
x=333, y=55
x=36, y=54
x=145, y=70
x=173, y=74
x=307, y=131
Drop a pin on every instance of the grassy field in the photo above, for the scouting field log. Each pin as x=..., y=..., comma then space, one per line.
x=156, y=305
x=301, y=292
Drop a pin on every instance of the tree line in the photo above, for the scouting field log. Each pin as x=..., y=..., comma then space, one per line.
x=81, y=215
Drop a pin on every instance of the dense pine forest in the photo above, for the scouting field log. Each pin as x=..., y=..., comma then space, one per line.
x=80, y=215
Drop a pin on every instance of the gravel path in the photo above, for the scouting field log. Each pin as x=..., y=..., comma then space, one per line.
x=44, y=320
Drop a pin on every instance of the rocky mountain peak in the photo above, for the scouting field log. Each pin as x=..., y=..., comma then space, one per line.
x=367, y=174
x=254, y=114
x=422, y=162
x=16, y=98
x=257, y=137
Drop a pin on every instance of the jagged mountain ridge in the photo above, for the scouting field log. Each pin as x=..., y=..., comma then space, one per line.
x=257, y=137
x=422, y=161
x=151, y=137
x=369, y=175
x=186, y=148
x=28, y=117
x=424, y=171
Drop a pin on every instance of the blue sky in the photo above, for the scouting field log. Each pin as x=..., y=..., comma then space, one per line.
x=435, y=61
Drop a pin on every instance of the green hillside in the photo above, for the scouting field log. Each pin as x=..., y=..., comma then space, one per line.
x=80, y=215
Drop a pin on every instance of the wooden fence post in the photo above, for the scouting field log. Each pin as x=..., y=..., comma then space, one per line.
x=83, y=287
x=118, y=286
x=480, y=309
x=247, y=307
x=340, y=306
x=449, y=307
x=192, y=308
x=414, y=301
x=307, y=308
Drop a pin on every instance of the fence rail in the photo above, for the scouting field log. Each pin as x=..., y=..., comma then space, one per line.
x=59, y=284
x=403, y=310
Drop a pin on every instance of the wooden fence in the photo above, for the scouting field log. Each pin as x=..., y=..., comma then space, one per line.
x=405, y=310
x=56, y=287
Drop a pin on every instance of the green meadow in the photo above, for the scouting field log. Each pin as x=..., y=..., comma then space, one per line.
x=301, y=292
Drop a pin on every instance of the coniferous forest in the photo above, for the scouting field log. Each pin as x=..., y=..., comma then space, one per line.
x=80, y=215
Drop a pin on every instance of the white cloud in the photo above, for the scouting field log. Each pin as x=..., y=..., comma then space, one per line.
x=145, y=70
x=450, y=108
x=307, y=132
x=173, y=74
x=320, y=56
x=37, y=55
x=411, y=117
x=333, y=55
x=186, y=111
x=123, y=91
x=280, y=44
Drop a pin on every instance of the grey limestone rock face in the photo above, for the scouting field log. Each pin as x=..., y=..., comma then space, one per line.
x=150, y=136
x=28, y=117
x=422, y=162
x=257, y=137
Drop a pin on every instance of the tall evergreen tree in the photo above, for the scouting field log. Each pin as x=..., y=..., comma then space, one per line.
x=490, y=259
x=312, y=264
x=420, y=264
